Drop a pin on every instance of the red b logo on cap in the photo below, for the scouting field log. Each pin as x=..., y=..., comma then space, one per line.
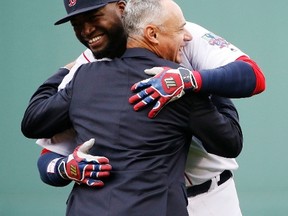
x=72, y=3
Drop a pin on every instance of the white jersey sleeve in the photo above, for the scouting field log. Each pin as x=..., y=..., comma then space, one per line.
x=206, y=51
x=62, y=143
x=84, y=58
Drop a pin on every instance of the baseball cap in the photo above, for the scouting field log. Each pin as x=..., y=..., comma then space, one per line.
x=75, y=7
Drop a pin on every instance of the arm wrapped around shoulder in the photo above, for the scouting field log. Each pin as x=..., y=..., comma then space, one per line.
x=218, y=128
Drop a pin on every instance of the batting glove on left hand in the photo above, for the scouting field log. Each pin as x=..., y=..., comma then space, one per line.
x=84, y=168
x=166, y=86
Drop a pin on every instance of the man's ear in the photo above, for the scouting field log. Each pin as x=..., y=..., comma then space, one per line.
x=121, y=4
x=151, y=34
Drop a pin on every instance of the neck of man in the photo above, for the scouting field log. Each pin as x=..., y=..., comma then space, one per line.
x=137, y=41
x=140, y=42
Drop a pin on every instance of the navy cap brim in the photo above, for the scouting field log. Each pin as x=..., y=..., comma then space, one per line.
x=68, y=17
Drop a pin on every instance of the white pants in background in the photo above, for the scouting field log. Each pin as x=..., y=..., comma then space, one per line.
x=218, y=201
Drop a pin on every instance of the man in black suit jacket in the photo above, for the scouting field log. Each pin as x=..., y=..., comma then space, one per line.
x=147, y=155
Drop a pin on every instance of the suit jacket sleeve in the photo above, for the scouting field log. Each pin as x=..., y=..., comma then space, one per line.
x=47, y=111
x=218, y=128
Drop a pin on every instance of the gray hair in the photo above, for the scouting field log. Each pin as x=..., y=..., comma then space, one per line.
x=140, y=13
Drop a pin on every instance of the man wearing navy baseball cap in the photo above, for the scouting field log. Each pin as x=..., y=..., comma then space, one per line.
x=75, y=7
x=97, y=25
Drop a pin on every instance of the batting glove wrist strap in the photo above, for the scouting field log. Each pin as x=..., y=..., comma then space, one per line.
x=62, y=170
x=188, y=79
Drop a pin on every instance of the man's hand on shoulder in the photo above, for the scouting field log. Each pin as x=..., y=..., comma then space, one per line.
x=84, y=168
x=166, y=86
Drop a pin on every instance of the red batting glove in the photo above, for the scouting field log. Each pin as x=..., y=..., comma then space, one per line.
x=84, y=168
x=166, y=86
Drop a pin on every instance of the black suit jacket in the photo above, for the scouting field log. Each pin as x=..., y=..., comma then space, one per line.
x=147, y=155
